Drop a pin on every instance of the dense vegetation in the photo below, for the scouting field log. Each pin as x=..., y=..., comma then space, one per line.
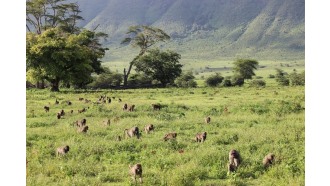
x=258, y=121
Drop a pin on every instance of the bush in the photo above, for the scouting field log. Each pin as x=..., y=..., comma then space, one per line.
x=281, y=77
x=214, y=80
x=237, y=80
x=139, y=79
x=297, y=79
x=107, y=80
x=186, y=80
x=226, y=83
x=257, y=83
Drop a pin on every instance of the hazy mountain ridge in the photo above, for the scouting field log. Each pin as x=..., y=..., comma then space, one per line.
x=208, y=29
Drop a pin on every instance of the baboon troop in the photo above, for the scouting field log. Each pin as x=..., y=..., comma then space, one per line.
x=62, y=150
x=125, y=106
x=234, y=160
x=81, y=123
x=169, y=136
x=83, y=129
x=268, y=160
x=149, y=128
x=46, y=108
x=136, y=170
x=208, y=119
x=201, y=137
x=131, y=108
x=134, y=131
x=156, y=106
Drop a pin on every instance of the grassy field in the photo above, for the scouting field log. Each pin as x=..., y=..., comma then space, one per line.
x=258, y=121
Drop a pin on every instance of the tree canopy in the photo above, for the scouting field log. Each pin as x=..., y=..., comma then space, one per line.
x=245, y=67
x=161, y=66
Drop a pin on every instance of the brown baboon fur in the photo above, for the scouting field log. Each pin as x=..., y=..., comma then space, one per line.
x=81, y=123
x=208, y=119
x=234, y=160
x=149, y=128
x=125, y=106
x=201, y=137
x=58, y=115
x=69, y=102
x=82, y=110
x=136, y=170
x=119, y=100
x=83, y=129
x=46, y=108
x=109, y=100
x=62, y=150
x=131, y=108
x=118, y=138
x=268, y=160
x=134, y=131
x=171, y=135
x=71, y=111
x=62, y=112
x=156, y=106
x=81, y=99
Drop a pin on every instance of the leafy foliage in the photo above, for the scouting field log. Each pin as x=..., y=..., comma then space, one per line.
x=281, y=77
x=186, y=80
x=214, y=80
x=297, y=79
x=257, y=83
x=245, y=67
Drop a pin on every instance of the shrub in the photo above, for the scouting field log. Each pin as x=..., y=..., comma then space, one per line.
x=214, y=80
x=139, y=79
x=297, y=79
x=237, y=80
x=186, y=80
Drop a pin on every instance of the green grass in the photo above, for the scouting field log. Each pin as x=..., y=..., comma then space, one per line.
x=259, y=121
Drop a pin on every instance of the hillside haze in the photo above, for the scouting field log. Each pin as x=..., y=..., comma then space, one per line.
x=205, y=30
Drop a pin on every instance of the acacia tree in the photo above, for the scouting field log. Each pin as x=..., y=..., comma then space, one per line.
x=245, y=68
x=63, y=56
x=162, y=66
x=142, y=37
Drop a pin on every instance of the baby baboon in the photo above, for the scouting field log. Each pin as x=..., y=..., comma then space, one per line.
x=149, y=128
x=171, y=135
x=268, y=160
x=234, y=160
x=136, y=170
x=62, y=112
x=56, y=102
x=81, y=99
x=46, y=108
x=118, y=138
x=131, y=108
x=201, y=137
x=134, y=131
x=208, y=119
x=81, y=123
x=62, y=150
x=69, y=102
x=106, y=122
x=125, y=106
x=156, y=106
x=58, y=115
x=83, y=129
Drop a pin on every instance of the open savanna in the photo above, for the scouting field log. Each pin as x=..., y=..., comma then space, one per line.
x=258, y=121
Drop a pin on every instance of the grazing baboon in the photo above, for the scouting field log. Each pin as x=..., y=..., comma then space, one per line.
x=81, y=123
x=125, y=106
x=58, y=115
x=109, y=100
x=46, y=108
x=201, y=137
x=208, y=119
x=81, y=99
x=56, y=102
x=268, y=160
x=171, y=135
x=149, y=128
x=234, y=160
x=118, y=138
x=107, y=122
x=83, y=129
x=134, y=131
x=119, y=100
x=71, y=111
x=62, y=112
x=62, y=150
x=131, y=108
x=82, y=110
x=136, y=170
x=69, y=102
x=156, y=106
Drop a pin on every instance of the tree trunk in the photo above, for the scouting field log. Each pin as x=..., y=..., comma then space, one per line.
x=125, y=77
x=55, y=85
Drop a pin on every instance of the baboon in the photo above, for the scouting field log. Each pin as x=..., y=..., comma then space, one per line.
x=208, y=119
x=69, y=102
x=80, y=99
x=109, y=100
x=56, y=102
x=58, y=115
x=125, y=106
x=62, y=150
x=81, y=123
x=62, y=112
x=268, y=160
x=131, y=108
x=136, y=170
x=71, y=111
x=134, y=131
x=46, y=108
x=156, y=106
x=171, y=135
x=83, y=129
x=119, y=100
x=82, y=110
x=234, y=160
x=106, y=122
x=118, y=138
x=201, y=137
x=149, y=128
